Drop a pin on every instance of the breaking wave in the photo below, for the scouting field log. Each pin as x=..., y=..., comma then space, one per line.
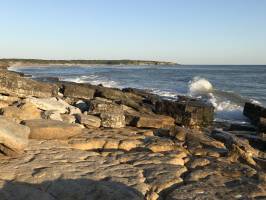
x=228, y=105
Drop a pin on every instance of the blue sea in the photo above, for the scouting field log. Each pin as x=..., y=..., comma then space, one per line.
x=227, y=87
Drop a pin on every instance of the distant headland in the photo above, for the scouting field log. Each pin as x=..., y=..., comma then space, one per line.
x=23, y=62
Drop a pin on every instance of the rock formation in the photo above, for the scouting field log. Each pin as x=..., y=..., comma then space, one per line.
x=79, y=141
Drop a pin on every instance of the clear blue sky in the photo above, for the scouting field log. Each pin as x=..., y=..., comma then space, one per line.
x=185, y=31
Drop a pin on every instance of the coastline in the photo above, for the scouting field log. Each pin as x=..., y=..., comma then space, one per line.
x=154, y=147
x=41, y=62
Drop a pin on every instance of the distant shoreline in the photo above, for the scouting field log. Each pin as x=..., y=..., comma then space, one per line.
x=39, y=62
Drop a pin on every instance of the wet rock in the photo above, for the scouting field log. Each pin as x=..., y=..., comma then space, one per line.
x=12, y=135
x=78, y=91
x=51, y=129
x=190, y=113
x=241, y=127
x=254, y=112
x=13, y=83
x=113, y=120
x=26, y=111
x=89, y=120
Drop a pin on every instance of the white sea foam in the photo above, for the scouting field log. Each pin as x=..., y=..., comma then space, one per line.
x=227, y=105
x=164, y=93
x=199, y=86
x=92, y=79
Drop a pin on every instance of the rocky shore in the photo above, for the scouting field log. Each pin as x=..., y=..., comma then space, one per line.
x=67, y=141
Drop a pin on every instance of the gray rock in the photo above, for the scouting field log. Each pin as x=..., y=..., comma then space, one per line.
x=79, y=91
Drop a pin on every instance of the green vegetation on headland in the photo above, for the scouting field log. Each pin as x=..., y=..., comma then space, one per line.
x=8, y=62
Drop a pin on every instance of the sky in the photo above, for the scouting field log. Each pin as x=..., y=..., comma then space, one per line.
x=182, y=31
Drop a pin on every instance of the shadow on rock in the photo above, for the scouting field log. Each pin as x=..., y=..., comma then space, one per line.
x=68, y=189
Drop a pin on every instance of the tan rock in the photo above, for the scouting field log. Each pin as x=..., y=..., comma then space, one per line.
x=27, y=111
x=12, y=135
x=68, y=118
x=129, y=144
x=149, y=121
x=88, y=120
x=51, y=129
x=113, y=120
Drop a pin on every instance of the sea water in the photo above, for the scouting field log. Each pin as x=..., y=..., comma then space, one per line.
x=227, y=87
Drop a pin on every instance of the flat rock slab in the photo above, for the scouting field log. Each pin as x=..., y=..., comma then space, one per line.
x=52, y=129
x=12, y=135
x=53, y=104
x=149, y=121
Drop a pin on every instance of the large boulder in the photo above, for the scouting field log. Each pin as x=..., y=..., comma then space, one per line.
x=189, y=112
x=14, y=84
x=78, y=91
x=98, y=106
x=89, y=120
x=113, y=120
x=52, y=129
x=254, y=112
x=26, y=111
x=12, y=135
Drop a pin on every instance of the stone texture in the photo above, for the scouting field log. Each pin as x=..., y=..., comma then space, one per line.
x=113, y=120
x=13, y=83
x=54, y=104
x=149, y=121
x=52, y=115
x=26, y=111
x=190, y=113
x=51, y=129
x=12, y=135
x=78, y=91
x=89, y=120
x=99, y=106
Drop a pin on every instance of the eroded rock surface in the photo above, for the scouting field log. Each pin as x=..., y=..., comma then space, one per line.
x=100, y=143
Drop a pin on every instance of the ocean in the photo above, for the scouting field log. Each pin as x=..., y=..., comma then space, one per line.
x=227, y=87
